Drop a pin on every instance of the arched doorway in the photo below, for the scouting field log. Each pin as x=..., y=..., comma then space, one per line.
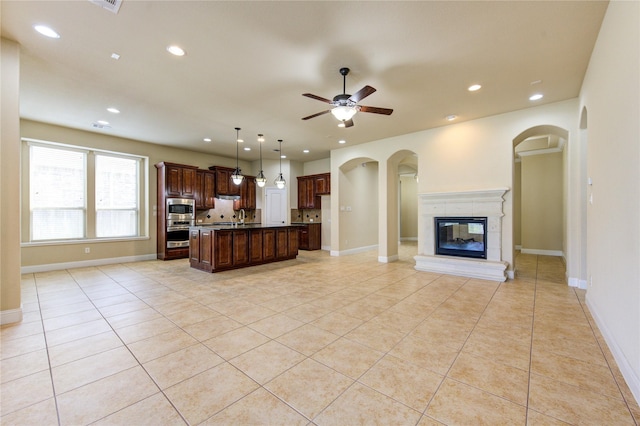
x=540, y=193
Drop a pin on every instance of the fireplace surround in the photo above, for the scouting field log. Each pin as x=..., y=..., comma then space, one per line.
x=469, y=204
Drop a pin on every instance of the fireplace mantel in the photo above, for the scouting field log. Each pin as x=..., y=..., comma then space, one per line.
x=481, y=203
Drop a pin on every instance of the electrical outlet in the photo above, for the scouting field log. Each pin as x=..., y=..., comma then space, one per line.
x=87, y=250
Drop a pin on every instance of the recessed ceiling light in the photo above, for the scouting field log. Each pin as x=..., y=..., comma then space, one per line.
x=175, y=50
x=207, y=139
x=306, y=151
x=451, y=117
x=246, y=148
x=46, y=31
x=535, y=97
x=536, y=82
x=342, y=141
x=474, y=87
x=102, y=122
x=283, y=156
x=115, y=56
x=113, y=110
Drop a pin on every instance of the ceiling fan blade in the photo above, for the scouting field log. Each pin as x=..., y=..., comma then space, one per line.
x=362, y=93
x=318, y=98
x=315, y=115
x=348, y=123
x=376, y=110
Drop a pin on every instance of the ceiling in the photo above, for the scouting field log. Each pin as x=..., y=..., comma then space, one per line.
x=247, y=65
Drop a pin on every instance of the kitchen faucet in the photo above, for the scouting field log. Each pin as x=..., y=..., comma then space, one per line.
x=242, y=216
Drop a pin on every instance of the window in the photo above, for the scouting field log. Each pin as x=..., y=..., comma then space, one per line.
x=77, y=194
x=116, y=196
x=57, y=193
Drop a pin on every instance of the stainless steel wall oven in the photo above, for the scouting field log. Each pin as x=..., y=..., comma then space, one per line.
x=181, y=213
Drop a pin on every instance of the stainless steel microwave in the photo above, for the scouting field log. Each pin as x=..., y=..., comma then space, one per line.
x=181, y=209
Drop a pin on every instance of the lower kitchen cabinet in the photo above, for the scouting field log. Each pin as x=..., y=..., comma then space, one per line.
x=310, y=236
x=213, y=249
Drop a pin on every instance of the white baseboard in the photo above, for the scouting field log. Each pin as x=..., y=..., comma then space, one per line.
x=630, y=376
x=85, y=263
x=577, y=282
x=325, y=248
x=388, y=259
x=353, y=251
x=511, y=274
x=10, y=316
x=408, y=239
x=518, y=247
x=542, y=252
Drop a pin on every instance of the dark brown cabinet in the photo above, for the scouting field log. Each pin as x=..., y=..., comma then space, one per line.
x=205, y=190
x=269, y=245
x=306, y=194
x=173, y=181
x=247, y=194
x=214, y=250
x=322, y=183
x=223, y=249
x=180, y=180
x=310, y=236
x=240, y=248
x=310, y=188
x=224, y=185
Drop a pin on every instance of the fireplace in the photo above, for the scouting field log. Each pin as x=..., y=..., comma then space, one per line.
x=461, y=236
x=458, y=207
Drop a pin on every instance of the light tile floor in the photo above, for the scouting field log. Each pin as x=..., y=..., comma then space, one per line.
x=317, y=340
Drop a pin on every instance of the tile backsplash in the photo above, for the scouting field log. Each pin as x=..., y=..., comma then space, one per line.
x=306, y=216
x=224, y=213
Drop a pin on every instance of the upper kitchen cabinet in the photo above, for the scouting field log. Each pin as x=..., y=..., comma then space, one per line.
x=205, y=190
x=322, y=183
x=307, y=194
x=224, y=185
x=310, y=188
x=177, y=180
x=247, y=194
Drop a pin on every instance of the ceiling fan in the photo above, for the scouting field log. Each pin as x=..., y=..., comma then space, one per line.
x=345, y=106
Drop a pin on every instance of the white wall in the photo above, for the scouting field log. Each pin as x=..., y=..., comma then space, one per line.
x=611, y=95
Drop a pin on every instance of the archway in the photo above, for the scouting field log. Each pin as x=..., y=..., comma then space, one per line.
x=540, y=192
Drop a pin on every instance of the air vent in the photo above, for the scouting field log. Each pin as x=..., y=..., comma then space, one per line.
x=110, y=5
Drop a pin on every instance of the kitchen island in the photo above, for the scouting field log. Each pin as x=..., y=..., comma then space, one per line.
x=214, y=248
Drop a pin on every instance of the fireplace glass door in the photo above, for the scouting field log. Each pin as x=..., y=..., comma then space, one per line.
x=461, y=236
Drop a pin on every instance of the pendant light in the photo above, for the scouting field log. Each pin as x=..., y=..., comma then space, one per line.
x=237, y=177
x=280, y=182
x=260, y=179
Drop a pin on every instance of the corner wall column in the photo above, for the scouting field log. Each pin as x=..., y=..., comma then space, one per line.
x=10, y=301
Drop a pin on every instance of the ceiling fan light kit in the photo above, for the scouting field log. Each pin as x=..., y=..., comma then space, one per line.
x=345, y=106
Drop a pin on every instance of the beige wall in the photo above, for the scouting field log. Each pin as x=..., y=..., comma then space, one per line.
x=357, y=205
x=517, y=204
x=542, y=203
x=10, y=306
x=408, y=208
x=474, y=155
x=611, y=95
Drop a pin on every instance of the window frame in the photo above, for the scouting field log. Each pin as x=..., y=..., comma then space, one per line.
x=90, y=210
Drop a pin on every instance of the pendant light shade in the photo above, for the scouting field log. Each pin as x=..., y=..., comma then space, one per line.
x=260, y=179
x=344, y=113
x=280, y=182
x=237, y=177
